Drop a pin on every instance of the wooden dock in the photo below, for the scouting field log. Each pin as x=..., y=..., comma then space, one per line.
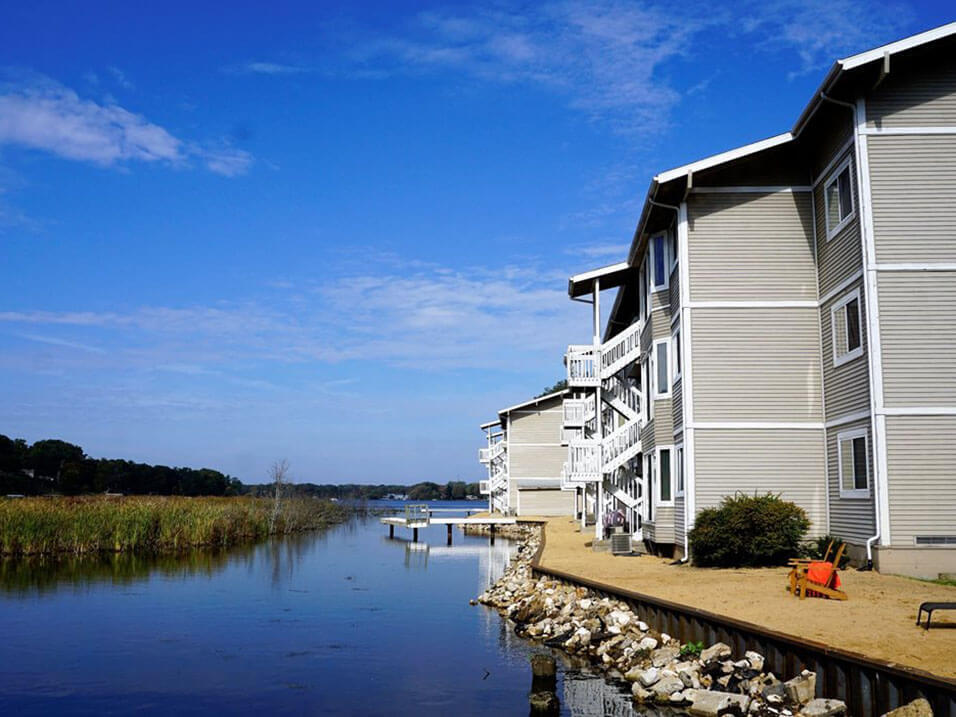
x=421, y=516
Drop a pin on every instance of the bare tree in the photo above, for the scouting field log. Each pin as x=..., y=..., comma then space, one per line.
x=277, y=473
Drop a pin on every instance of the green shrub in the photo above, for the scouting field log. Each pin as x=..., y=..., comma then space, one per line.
x=817, y=549
x=748, y=531
x=692, y=649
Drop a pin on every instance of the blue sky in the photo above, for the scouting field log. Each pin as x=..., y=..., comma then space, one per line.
x=341, y=233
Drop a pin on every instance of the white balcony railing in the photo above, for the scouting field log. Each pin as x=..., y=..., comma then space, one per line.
x=575, y=412
x=484, y=487
x=584, y=461
x=621, y=350
x=621, y=445
x=484, y=455
x=582, y=365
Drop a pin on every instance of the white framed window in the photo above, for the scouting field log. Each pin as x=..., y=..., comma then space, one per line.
x=838, y=199
x=853, y=463
x=660, y=264
x=679, y=469
x=676, y=357
x=647, y=405
x=662, y=368
x=846, y=328
x=665, y=475
x=645, y=299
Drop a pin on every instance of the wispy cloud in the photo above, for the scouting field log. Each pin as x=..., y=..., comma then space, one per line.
x=611, y=251
x=604, y=57
x=430, y=318
x=54, y=341
x=820, y=31
x=266, y=68
x=120, y=78
x=41, y=114
x=610, y=58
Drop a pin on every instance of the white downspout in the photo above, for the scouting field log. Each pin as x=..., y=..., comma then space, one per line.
x=599, y=488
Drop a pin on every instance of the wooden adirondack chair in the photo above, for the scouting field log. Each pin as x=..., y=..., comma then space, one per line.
x=798, y=566
x=825, y=582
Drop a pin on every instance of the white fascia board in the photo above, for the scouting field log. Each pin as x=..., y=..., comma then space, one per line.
x=490, y=424
x=723, y=157
x=907, y=43
x=599, y=272
x=532, y=402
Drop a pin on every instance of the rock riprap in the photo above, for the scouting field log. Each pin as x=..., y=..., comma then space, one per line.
x=610, y=635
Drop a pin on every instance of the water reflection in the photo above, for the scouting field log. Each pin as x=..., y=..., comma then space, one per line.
x=311, y=623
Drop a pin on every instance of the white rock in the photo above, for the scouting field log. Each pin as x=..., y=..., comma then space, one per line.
x=649, y=676
x=647, y=643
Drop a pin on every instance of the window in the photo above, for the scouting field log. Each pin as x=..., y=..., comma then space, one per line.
x=838, y=195
x=664, y=464
x=645, y=297
x=675, y=342
x=647, y=405
x=662, y=386
x=660, y=262
x=679, y=469
x=853, y=463
x=845, y=328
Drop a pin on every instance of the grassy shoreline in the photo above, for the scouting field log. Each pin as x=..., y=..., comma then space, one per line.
x=75, y=526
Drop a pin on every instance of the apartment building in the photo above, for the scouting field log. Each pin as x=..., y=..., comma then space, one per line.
x=784, y=322
x=524, y=457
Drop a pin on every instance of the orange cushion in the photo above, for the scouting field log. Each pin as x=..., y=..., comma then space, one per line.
x=822, y=573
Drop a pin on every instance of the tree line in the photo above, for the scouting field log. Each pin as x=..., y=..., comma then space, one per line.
x=53, y=466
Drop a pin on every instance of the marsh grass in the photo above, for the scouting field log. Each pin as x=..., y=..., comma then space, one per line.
x=46, y=526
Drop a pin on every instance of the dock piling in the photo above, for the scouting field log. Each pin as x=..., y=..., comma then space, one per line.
x=449, y=533
x=391, y=531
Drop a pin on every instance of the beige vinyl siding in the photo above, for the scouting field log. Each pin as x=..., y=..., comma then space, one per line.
x=648, y=436
x=660, y=299
x=916, y=94
x=921, y=455
x=918, y=337
x=679, y=507
x=663, y=423
x=850, y=518
x=751, y=247
x=538, y=426
x=847, y=385
x=664, y=524
x=675, y=291
x=836, y=134
x=842, y=256
x=788, y=462
x=545, y=501
x=536, y=461
x=913, y=184
x=756, y=365
x=677, y=405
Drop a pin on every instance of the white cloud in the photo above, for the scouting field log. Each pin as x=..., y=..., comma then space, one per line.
x=821, y=31
x=610, y=251
x=41, y=114
x=54, y=341
x=603, y=56
x=609, y=58
x=267, y=68
x=508, y=318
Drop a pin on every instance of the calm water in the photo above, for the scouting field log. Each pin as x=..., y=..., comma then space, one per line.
x=341, y=622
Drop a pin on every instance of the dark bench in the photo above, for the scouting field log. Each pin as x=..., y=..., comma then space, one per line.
x=929, y=607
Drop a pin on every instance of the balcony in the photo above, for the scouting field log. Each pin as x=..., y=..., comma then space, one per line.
x=484, y=487
x=621, y=445
x=584, y=461
x=621, y=350
x=484, y=455
x=582, y=364
x=577, y=411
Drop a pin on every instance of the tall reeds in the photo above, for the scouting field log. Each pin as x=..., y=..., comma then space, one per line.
x=41, y=526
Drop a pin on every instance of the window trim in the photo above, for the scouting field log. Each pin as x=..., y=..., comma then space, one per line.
x=660, y=482
x=653, y=288
x=841, y=438
x=675, y=351
x=655, y=368
x=677, y=461
x=834, y=177
x=834, y=310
